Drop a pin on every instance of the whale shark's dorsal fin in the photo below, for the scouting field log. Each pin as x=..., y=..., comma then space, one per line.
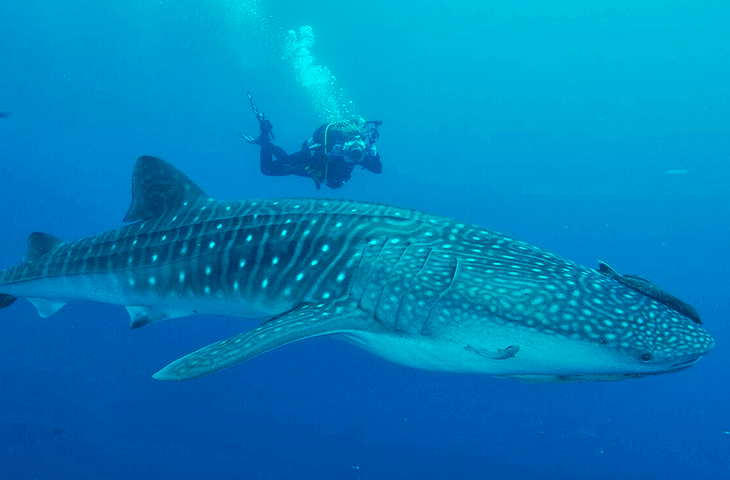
x=39, y=244
x=159, y=188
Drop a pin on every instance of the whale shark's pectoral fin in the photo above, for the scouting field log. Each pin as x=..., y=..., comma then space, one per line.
x=46, y=307
x=304, y=321
x=499, y=354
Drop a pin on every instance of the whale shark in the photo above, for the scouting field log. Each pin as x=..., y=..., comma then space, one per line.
x=419, y=290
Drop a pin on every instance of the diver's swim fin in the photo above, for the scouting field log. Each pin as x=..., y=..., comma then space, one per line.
x=248, y=138
x=261, y=139
x=264, y=124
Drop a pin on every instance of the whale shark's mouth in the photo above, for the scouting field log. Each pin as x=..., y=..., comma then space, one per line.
x=682, y=365
x=677, y=367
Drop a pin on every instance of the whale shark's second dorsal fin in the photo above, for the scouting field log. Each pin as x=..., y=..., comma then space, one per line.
x=159, y=188
x=39, y=244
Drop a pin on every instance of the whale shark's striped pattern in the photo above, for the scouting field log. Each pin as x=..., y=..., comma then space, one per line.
x=417, y=289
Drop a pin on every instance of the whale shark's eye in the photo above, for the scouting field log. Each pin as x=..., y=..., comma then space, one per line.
x=646, y=357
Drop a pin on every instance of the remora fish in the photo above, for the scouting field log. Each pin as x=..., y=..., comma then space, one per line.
x=419, y=290
x=645, y=287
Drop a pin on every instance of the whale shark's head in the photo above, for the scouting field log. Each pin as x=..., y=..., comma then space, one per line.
x=654, y=339
x=572, y=323
x=631, y=337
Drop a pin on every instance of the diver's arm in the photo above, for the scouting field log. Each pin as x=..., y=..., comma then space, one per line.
x=372, y=163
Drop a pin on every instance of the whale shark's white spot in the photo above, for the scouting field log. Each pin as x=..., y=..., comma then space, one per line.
x=208, y=270
x=300, y=276
x=207, y=290
x=235, y=285
x=181, y=277
x=242, y=264
x=325, y=247
x=265, y=283
x=154, y=257
x=212, y=244
x=152, y=280
x=249, y=238
x=131, y=282
x=275, y=260
x=283, y=233
x=314, y=262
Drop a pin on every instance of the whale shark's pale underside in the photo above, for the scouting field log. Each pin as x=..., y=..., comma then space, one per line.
x=420, y=290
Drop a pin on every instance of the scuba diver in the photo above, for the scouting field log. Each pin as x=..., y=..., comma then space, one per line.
x=328, y=157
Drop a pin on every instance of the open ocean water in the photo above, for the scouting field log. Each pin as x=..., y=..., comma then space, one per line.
x=595, y=130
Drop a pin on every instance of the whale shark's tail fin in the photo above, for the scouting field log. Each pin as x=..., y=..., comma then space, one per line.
x=6, y=300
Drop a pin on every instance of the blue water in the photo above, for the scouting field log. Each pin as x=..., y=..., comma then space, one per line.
x=593, y=131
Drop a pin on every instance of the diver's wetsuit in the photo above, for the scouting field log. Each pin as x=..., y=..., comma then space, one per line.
x=313, y=163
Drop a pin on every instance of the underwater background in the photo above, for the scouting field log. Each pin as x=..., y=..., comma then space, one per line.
x=595, y=131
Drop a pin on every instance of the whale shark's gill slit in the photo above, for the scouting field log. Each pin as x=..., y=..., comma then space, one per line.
x=407, y=290
x=360, y=288
x=379, y=306
x=454, y=271
x=353, y=285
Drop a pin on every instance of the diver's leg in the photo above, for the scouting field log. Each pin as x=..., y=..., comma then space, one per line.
x=272, y=167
